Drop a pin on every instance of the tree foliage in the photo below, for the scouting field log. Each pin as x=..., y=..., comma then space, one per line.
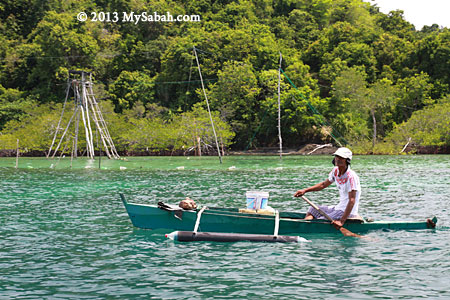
x=353, y=70
x=427, y=127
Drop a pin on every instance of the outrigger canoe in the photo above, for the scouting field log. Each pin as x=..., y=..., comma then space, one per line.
x=234, y=220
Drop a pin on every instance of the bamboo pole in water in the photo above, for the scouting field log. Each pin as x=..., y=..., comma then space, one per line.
x=62, y=152
x=199, y=146
x=17, y=154
x=71, y=153
x=100, y=149
x=60, y=119
x=100, y=158
x=65, y=131
x=207, y=104
x=279, y=109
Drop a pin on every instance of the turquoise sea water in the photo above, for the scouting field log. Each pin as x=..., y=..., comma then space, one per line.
x=65, y=234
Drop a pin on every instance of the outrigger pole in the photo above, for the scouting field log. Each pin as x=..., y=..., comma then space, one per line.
x=87, y=105
x=207, y=104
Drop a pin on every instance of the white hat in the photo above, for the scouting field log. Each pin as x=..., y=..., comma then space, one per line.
x=344, y=153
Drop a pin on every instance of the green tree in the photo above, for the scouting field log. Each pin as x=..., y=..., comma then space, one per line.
x=194, y=131
x=305, y=28
x=353, y=11
x=58, y=43
x=355, y=54
x=427, y=127
x=131, y=87
x=351, y=90
x=35, y=127
x=13, y=105
x=146, y=135
x=414, y=93
x=393, y=52
x=235, y=97
x=299, y=123
x=394, y=22
x=380, y=99
x=21, y=16
x=433, y=56
x=189, y=131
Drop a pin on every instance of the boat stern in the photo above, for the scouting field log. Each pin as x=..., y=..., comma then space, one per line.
x=431, y=223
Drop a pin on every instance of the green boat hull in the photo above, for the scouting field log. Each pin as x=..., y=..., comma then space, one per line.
x=231, y=220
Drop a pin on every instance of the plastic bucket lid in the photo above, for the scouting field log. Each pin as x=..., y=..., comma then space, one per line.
x=253, y=194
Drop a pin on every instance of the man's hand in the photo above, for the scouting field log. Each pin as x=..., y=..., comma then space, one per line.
x=337, y=224
x=317, y=187
x=300, y=193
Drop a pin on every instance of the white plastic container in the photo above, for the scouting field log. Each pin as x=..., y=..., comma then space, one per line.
x=257, y=200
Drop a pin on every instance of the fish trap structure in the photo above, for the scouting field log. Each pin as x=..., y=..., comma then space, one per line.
x=88, y=110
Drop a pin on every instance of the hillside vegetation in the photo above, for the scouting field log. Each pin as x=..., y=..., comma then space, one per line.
x=351, y=74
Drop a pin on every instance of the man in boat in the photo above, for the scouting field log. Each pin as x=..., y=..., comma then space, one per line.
x=349, y=187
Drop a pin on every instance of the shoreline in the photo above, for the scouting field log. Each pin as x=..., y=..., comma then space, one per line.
x=309, y=149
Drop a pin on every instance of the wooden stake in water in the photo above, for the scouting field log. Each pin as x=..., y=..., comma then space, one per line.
x=17, y=154
x=207, y=104
x=279, y=109
x=100, y=155
x=71, y=153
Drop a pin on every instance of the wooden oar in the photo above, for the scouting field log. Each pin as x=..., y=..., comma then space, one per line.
x=343, y=230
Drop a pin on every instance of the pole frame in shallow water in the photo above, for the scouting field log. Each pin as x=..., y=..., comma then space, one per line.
x=207, y=104
x=86, y=105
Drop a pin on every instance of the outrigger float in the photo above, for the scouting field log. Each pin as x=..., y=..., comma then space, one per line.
x=207, y=222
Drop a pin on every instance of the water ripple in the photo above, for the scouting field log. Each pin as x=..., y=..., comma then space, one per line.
x=66, y=235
